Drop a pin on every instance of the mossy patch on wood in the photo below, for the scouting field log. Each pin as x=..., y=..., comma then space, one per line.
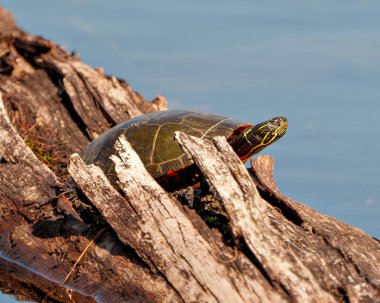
x=48, y=154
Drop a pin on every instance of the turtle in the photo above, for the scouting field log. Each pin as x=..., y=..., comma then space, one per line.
x=152, y=136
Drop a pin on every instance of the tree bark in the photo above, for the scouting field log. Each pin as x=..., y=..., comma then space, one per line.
x=138, y=243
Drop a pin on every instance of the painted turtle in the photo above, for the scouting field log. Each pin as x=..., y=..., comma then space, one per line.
x=152, y=137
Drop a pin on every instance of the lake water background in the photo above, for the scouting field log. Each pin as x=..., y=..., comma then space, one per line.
x=315, y=62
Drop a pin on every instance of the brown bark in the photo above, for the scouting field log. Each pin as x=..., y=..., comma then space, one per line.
x=139, y=243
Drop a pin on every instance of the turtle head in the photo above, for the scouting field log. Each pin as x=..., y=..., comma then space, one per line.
x=256, y=138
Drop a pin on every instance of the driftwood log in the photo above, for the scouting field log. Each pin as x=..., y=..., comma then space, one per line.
x=140, y=243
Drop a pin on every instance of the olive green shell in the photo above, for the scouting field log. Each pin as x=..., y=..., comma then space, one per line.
x=152, y=137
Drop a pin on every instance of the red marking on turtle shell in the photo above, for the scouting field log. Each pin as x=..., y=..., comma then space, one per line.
x=172, y=173
x=242, y=128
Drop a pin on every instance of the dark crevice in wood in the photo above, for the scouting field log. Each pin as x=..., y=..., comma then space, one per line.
x=106, y=116
x=210, y=210
x=26, y=218
x=243, y=247
x=29, y=49
x=343, y=295
x=5, y=67
x=31, y=53
x=268, y=195
x=251, y=256
x=131, y=253
x=57, y=79
x=96, y=99
x=87, y=212
x=288, y=212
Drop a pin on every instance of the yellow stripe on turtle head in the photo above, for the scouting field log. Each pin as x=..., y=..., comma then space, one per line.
x=264, y=134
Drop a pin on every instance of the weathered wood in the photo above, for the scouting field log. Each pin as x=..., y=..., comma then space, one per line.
x=138, y=243
x=343, y=257
x=40, y=231
x=27, y=206
x=162, y=234
x=324, y=253
x=55, y=99
x=248, y=215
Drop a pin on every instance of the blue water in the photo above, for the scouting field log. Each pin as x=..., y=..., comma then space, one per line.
x=317, y=63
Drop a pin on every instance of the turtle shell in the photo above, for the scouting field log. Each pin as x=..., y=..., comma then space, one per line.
x=152, y=137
